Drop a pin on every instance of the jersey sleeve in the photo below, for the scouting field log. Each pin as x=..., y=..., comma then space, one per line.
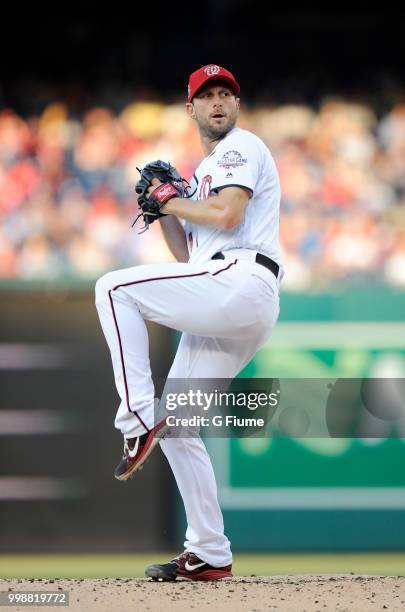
x=237, y=166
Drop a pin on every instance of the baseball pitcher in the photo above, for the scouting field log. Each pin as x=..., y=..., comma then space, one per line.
x=222, y=294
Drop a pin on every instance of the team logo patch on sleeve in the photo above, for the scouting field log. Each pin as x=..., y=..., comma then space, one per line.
x=232, y=159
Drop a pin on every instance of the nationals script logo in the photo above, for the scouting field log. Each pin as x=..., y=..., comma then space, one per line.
x=231, y=159
x=205, y=187
x=210, y=70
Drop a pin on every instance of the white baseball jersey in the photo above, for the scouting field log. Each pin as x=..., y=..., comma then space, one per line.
x=240, y=159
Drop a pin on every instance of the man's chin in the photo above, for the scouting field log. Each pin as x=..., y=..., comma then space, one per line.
x=219, y=131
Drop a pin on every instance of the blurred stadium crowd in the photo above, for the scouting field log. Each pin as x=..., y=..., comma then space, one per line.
x=67, y=188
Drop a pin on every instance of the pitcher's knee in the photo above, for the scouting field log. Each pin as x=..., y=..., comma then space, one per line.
x=103, y=285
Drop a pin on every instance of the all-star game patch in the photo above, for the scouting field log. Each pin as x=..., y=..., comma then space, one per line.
x=231, y=159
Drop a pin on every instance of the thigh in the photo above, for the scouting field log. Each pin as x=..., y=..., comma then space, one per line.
x=217, y=299
x=204, y=365
x=203, y=357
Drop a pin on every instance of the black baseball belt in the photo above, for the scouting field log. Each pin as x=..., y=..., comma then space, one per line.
x=260, y=259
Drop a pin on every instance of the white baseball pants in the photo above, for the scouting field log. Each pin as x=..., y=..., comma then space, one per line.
x=226, y=310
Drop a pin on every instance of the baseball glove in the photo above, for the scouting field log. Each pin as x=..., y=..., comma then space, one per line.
x=173, y=186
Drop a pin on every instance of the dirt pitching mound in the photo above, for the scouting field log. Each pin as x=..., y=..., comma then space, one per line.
x=247, y=594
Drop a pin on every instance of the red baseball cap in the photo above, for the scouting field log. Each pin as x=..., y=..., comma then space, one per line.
x=211, y=72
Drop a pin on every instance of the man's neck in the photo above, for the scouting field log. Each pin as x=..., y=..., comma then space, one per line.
x=208, y=143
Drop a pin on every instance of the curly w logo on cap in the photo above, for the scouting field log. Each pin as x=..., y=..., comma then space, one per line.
x=211, y=72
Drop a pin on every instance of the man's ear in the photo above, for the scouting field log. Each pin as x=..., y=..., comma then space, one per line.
x=238, y=103
x=190, y=109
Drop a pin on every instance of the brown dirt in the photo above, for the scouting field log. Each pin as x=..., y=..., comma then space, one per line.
x=253, y=594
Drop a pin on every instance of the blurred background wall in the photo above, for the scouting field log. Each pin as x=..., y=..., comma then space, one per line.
x=87, y=97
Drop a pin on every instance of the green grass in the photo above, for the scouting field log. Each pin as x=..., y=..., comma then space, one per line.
x=119, y=566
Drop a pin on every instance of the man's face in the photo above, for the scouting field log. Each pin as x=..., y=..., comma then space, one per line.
x=215, y=109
